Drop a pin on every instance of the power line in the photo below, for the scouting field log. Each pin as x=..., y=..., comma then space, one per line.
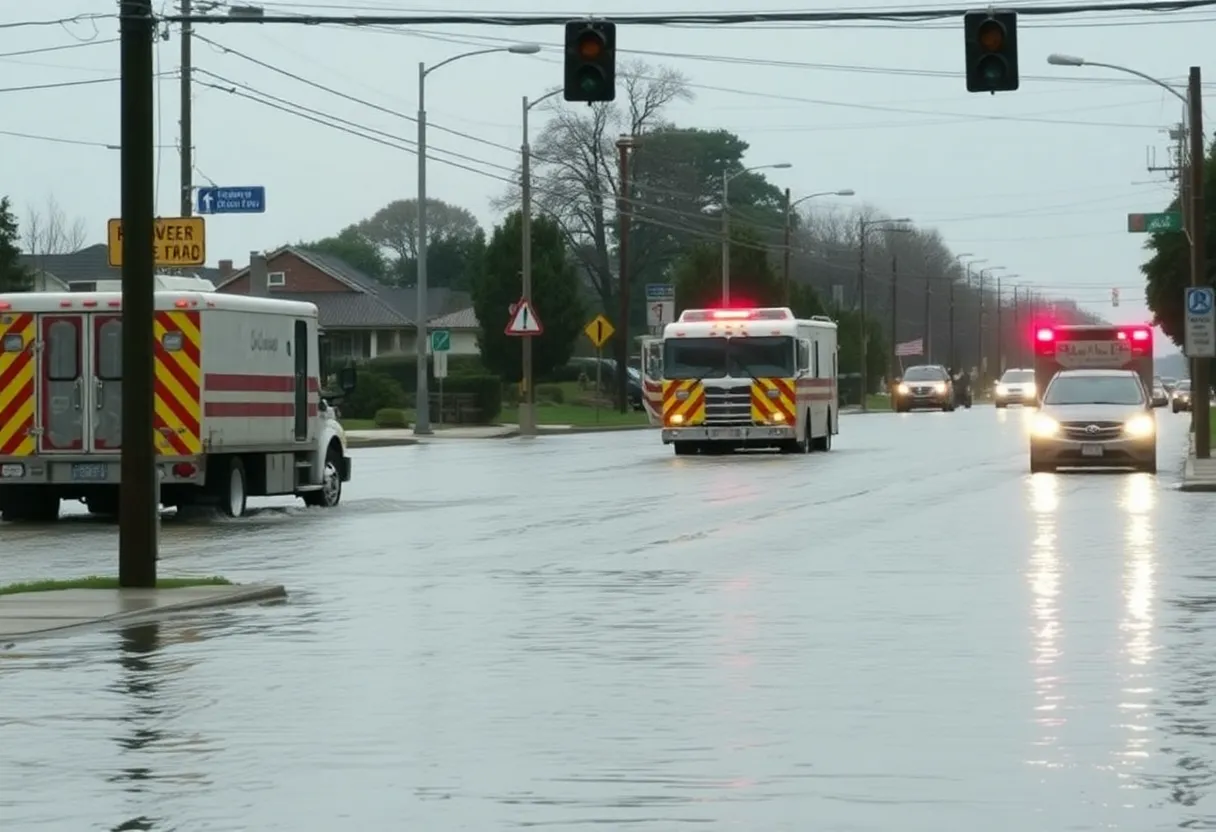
x=61, y=48
x=728, y=19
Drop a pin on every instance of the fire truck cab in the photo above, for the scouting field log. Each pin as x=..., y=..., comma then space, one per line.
x=728, y=379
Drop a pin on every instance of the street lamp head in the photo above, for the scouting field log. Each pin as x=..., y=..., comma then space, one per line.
x=845, y=192
x=781, y=166
x=964, y=254
x=1056, y=59
x=900, y=221
x=524, y=48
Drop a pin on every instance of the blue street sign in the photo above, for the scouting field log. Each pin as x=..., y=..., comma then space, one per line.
x=656, y=292
x=250, y=199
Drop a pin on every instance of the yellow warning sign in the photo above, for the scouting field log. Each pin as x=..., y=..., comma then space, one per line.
x=177, y=241
x=599, y=331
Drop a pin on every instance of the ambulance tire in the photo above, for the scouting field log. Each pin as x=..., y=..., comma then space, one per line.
x=822, y=443
x=41, y=509
x=331, y=481
x=684, y=448
x=232, y=489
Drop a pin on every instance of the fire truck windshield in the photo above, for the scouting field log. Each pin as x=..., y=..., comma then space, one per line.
x=766, y=357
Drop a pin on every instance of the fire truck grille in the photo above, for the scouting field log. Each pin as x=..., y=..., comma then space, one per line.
x=728, y=405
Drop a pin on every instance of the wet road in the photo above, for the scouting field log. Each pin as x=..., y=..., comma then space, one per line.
x=908, y=633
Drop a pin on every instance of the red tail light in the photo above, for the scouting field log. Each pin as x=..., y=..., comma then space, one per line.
x=1140, y=335
x=184, y=470
x=1122, y=336
x=1045, y=334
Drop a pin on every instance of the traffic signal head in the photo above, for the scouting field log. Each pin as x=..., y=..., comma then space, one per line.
x=590, y=61
x=992, y=50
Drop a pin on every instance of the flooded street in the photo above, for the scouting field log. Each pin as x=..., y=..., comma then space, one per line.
x=910, y=633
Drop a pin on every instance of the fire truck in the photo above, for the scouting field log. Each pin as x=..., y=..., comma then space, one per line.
x=239, y=410
x=727, y=379
x=1081, y=346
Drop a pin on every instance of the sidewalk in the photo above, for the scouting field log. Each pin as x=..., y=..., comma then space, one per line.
x=394, y=438
x=35, y=614
x=1197, y=474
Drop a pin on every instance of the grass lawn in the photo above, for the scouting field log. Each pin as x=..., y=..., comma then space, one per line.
x=1211, y=430
x=100, y=582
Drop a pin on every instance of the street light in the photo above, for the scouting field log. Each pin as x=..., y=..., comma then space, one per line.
x=950, y=355
x=979, y=334
x=1057, y=59
x=726, y=180
x=864, y=227
x=789, y=214
x=527, y=411
x=422, y=399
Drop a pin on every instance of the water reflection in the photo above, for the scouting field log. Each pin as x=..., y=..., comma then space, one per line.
x=1138, y=502
x=1044, y=576
x=138, y=681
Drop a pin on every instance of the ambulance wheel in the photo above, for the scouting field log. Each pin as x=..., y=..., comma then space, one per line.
x=232, y=489
x=823, y=443
x=331, y=482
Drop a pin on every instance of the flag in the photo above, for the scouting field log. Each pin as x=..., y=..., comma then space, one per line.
x=907, y=348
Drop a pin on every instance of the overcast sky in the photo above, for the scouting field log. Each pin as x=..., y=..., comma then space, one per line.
x=1039, y=181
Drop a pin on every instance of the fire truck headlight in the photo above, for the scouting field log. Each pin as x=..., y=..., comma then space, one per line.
x=677, y=419
x=777, y=418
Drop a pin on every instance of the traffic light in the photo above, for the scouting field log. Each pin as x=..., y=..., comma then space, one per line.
x=590, y=61
x=992, y=50
x=1114, y=297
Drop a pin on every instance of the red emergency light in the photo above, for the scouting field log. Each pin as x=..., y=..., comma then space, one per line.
x=1140, y=335
x=1045, y=334
x=731, y=314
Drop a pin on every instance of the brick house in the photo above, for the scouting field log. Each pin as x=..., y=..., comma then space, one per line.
x=363, y=318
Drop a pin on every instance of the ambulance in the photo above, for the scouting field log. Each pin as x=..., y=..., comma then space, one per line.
x=728, y=379
x=1092, y=347
x=239, y=410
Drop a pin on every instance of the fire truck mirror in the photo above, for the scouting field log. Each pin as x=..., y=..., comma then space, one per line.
x=348, y=379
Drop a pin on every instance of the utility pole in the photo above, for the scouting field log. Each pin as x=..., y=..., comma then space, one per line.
x=928, y=315
x=623, y=144
x=187, y=126
x=1018, y=336
x=785, y=250
x=725, y=238
x=979, y=338
x=861, y=283
x=139, y=508
x=951, y=357
x=891, y=373
x=1000, y=344
x=527, y=420
x=1201, y=373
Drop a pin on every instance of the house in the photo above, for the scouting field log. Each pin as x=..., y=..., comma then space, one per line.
x=362, y=317
x=84, y=270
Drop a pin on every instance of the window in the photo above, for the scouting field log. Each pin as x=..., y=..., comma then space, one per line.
x=804, y=356
x=1113, y=389
x=1018, y=377
x=816, y=366
x=926, y=373
x=276, y=279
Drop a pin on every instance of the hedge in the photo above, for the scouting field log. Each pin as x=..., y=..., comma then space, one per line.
x=374, y=392
x=404, y=369
x=485, y=390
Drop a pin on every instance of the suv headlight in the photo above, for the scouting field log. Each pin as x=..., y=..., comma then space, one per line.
x=902, y=389
x=1140, y=427
x=1002, y=390
x=1045, y=426
x=940, y=387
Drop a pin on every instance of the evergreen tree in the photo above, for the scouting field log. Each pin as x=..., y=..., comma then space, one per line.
x=14, y=276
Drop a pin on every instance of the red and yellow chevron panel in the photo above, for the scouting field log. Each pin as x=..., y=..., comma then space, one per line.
x=774, y=401
x=179, y=385
x=685, y=399
x=16, y=384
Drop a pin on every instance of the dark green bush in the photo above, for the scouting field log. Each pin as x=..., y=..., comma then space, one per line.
x=550, y=393
x=374, y=392
x=567, y=372
x=404, y=369
x=391, y=417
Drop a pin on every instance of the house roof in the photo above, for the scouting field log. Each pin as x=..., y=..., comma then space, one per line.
x=350, y=310
x=460, y=319
x=93, y=263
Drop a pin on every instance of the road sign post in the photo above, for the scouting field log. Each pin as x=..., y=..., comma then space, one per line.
x=599, y=330
x=440, y=358
x=1163, y=223
x=660, y=305
x=248, y=199
x=176, y=242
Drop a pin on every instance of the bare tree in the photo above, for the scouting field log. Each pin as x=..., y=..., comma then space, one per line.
x=576, y=164
x=48, y=232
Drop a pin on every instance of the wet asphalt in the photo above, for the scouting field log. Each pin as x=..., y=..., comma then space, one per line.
x=910, y=632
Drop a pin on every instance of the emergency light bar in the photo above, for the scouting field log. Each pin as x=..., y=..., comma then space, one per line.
x=1046, y=335
x=701, y=315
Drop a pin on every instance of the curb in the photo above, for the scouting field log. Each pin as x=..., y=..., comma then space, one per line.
x=544, y=430
x=379, y=443
x=253, y=593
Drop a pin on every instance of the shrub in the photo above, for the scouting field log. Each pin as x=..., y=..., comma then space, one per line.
x=550, y=393
x=404, y=368
x=374, y=392
x=566, y=372
x=391, y=417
